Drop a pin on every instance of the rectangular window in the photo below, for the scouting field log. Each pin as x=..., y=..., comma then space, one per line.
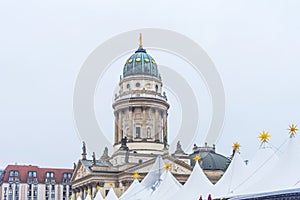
x=138, y=132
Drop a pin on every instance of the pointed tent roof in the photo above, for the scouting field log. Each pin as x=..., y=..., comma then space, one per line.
x=264, y=160
x=155, y=173
x=285, y=174
x=232, y=177
x=111, y=195
x=196, y=185
x=88, y=197
x=145, y=188
x=168, y=186
x=135, y=186
x=79, y=198
x=98, y=196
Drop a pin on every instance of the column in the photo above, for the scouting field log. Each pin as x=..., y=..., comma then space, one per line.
x=116, y=128
x=165, y=135
x=144, y=131
x=156, y=126
x=130, y=134
x=94, y=190
x=120, y=136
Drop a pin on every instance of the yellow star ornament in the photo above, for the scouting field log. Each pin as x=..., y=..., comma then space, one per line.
x=168, y=166
x=197, y=158
x=293, y=130
x=136, y=175
x=98, y=187
x=236, y=146
x=264, y=136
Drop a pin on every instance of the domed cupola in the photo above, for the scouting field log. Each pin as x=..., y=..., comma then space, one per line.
x=140, y=63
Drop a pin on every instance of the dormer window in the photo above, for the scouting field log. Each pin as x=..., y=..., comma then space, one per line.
x=66, y=177
x=32, y=177
x=13, y=176
x=50, y=177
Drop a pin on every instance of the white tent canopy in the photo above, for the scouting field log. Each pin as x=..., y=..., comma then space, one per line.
x=233, y=176
x=98, y=196
x=152, y=180
x=135, y=186
x=167, y=187
x=196, y=185
x=88, y=197
x=264, y=160
x=111, y=195
x=285, y=174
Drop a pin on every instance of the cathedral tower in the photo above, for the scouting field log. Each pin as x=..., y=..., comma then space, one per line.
x=141, y=107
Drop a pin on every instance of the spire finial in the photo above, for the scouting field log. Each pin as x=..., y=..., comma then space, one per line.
x=83, y=151
x=141, y=40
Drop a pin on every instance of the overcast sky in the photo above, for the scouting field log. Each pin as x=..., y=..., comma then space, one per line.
x=255, y=46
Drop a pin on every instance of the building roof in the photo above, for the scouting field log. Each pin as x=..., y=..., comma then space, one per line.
x=41, y=172
x=140, y=63
x=210, y=160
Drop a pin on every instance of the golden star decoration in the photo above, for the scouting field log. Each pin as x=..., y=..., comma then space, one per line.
x=236, y=146
x=111, y=184
x=98, y=187
x=71, y=196
x=88, y=191
x=197, y=158
x=168, y=166
x=293, y=129
x=136, y=175
x=264, y=136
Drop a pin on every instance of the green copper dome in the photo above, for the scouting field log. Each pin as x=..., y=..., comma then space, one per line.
x=140, y=63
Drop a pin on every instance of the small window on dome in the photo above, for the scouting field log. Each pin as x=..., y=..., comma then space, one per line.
x=130, y=60
x=137, y=84
x=138, y=59
x=153, y=61
x=146, y=60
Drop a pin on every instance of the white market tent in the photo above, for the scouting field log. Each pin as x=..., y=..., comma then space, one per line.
x=263, y=161
x=197, y=185
x=111, y=195
x=168, y=186
x=98, y=196
x=135, y=186
x=233, y=176
x=285, y=174
x=79, y=198
x=151, y=181
x=88, y=197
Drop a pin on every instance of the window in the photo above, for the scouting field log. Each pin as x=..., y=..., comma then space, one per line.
x=138, y=132
x=32, y=174
x=50, y=174
x=13, y=173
